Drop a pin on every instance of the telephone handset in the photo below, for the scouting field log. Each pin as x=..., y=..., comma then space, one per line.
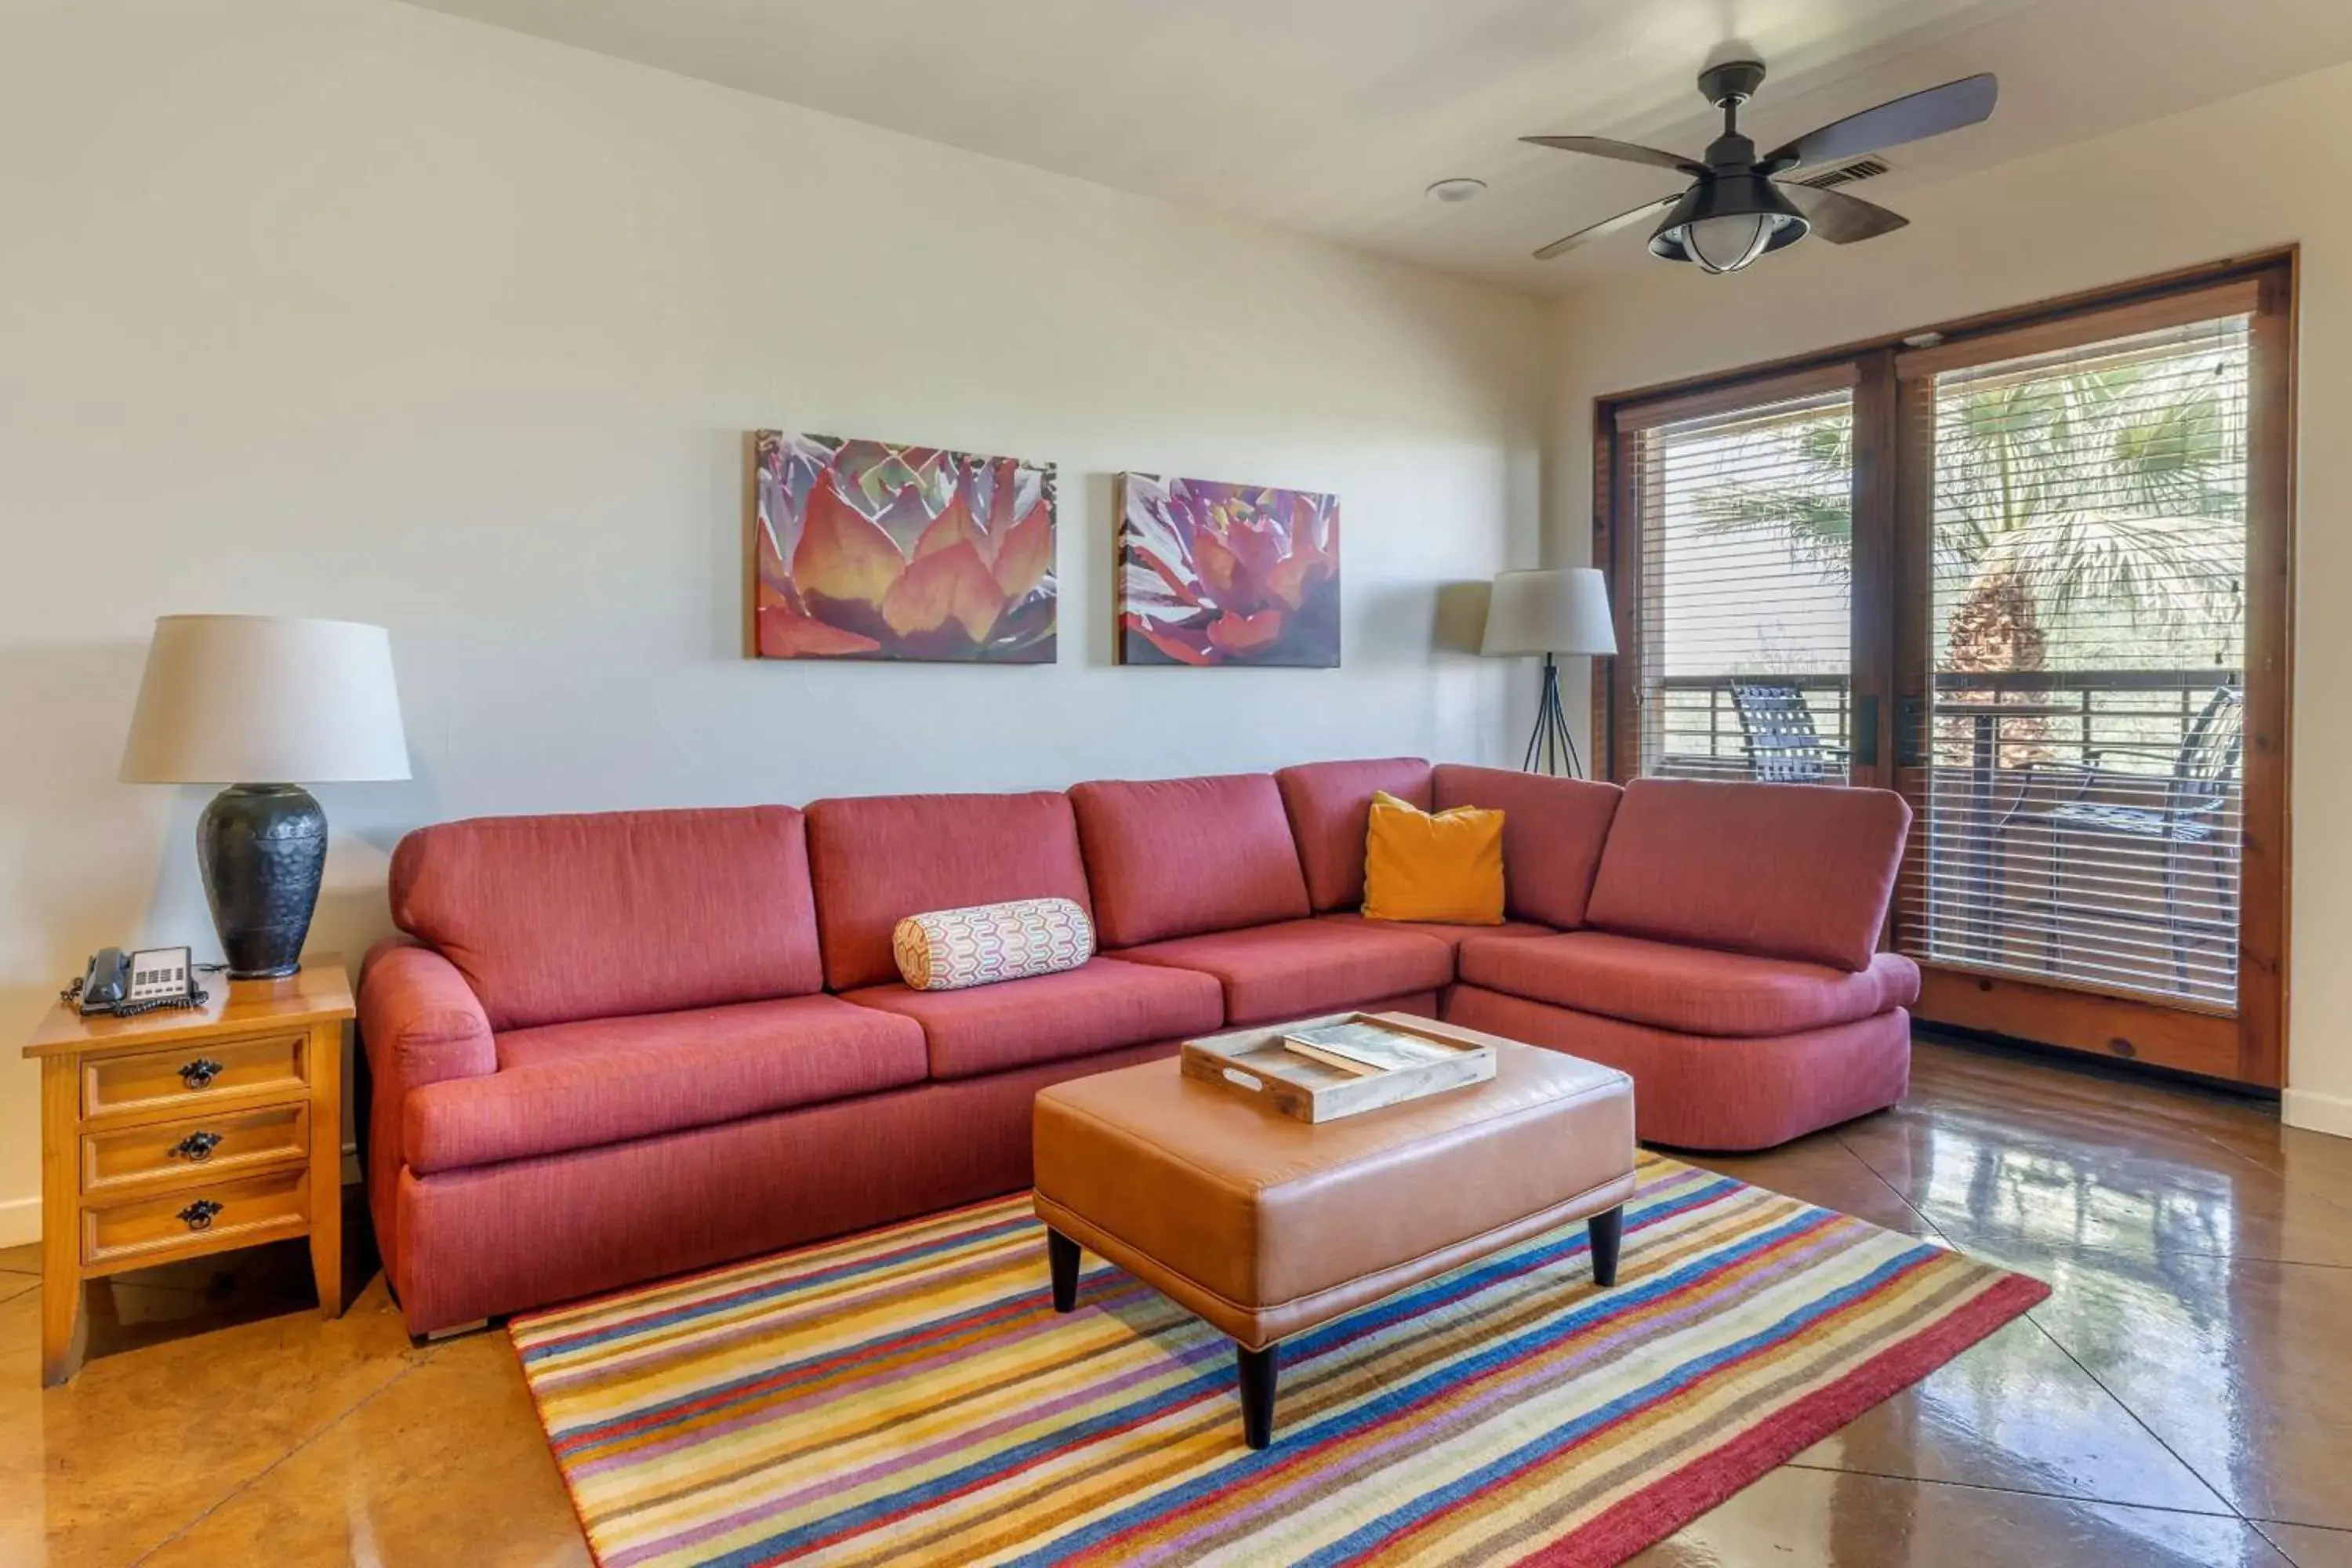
x=143, y=981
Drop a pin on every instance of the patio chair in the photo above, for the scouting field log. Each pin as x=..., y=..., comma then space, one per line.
x=1775, y=727
x=2190, y=817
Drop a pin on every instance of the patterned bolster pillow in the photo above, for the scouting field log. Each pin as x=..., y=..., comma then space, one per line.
x=947, y=950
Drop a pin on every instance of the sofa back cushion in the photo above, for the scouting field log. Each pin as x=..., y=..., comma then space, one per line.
x=877, y=859
x=1329, y=805
x=1795, y=871
x=1178, y=856
x=1553, y=831
x=555, y=919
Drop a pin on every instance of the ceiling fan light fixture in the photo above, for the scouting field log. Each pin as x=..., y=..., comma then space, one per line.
x=1729, y=244
x=1725, y=223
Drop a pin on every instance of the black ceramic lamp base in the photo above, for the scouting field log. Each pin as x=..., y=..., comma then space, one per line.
x=262, y=848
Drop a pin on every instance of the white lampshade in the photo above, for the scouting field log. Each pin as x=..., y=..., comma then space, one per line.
x=260, y=700
x=1564, y=611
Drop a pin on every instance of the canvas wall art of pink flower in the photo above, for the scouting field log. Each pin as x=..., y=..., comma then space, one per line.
x=866, y=550
x=1215, y=574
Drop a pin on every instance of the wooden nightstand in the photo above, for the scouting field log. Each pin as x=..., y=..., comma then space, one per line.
x=178, y=1133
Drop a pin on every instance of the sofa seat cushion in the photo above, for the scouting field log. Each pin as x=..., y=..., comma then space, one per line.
x=1695, y=1091
x=1100, y=1006
x=1453, y=936
x=1299, y=968
x=1695, y=990
x=584, y=1084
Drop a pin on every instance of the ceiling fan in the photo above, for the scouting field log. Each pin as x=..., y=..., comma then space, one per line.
x=1738, y=207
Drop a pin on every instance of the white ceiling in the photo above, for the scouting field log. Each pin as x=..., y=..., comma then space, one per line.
x=1330, y=117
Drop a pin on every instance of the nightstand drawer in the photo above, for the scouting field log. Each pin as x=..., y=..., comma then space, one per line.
x=199, y=1149
x=202, y=1218
x=186, y=1076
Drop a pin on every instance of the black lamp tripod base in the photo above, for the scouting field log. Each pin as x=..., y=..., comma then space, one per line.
x=1550, y=744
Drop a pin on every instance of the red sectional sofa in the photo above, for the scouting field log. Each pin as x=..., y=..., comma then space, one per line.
x=610, y=1047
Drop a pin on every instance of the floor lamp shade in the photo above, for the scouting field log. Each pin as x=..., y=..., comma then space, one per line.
x=265, y=705
x=1555, y=611
x=1564, y=611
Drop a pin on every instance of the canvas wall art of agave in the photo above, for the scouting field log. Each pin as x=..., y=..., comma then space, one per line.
x=867, y=550
x=1213, y=573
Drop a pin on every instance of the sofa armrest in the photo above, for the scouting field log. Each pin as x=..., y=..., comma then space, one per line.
x=419, y=1021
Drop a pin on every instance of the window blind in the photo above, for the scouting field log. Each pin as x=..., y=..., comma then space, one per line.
x=1744, y=587
x=2081, y=740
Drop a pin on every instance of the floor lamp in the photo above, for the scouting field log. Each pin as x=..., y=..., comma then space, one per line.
x=1551, y=612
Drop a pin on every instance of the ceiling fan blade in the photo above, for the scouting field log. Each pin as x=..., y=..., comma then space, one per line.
x=1607, y=227
x=1921, y=114
x=1840, y=219
x=1623, y=151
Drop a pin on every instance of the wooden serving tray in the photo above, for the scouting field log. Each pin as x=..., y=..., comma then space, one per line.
x=1256, y=1063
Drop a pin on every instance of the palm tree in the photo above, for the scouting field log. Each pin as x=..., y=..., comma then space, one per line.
x=2116, y=491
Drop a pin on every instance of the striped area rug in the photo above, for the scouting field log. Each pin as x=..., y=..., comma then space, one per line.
x=909, y=1396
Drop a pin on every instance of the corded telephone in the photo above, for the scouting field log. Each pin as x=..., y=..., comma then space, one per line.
x=140, y=982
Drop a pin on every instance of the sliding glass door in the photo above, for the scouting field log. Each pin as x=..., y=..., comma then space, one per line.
x=2082, y=769
x=2054, y=553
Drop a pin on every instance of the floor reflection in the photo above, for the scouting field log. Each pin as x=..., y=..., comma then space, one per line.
x=2189, y=1367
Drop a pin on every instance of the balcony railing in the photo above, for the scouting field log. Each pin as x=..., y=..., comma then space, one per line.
x=2134, y=721
x=1701, y=735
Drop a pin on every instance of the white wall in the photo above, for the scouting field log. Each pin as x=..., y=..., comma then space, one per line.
x=338, y=308
x=2245, y=175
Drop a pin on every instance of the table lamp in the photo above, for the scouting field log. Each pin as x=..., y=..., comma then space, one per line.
x=232, y=698
x=1551, y=612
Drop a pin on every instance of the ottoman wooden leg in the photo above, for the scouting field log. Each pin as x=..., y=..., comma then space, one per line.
x=1608, y=1233
x=1062, y=1256
x=1257, y=1376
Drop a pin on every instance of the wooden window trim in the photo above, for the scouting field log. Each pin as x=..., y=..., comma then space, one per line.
x=1888, y=375
x=1983, y=325
x=2078, y=329
x=1731, y=396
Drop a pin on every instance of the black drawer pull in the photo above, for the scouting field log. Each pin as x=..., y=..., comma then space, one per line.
x=197, y=1146
x=200, y=1073
x=198, y=1215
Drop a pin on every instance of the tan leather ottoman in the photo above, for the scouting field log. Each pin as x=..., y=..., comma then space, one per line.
x=1268, y=1227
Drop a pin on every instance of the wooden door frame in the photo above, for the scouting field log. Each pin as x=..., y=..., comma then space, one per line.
x=1875, y=571
x=1890, y=587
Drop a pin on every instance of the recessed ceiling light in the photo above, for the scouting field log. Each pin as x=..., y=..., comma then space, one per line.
x=1460, y=189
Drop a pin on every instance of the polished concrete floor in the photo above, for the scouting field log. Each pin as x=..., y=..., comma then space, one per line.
x=2185, y=1396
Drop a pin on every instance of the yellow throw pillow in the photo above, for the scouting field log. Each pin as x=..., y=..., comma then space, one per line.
x=1447, y=869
